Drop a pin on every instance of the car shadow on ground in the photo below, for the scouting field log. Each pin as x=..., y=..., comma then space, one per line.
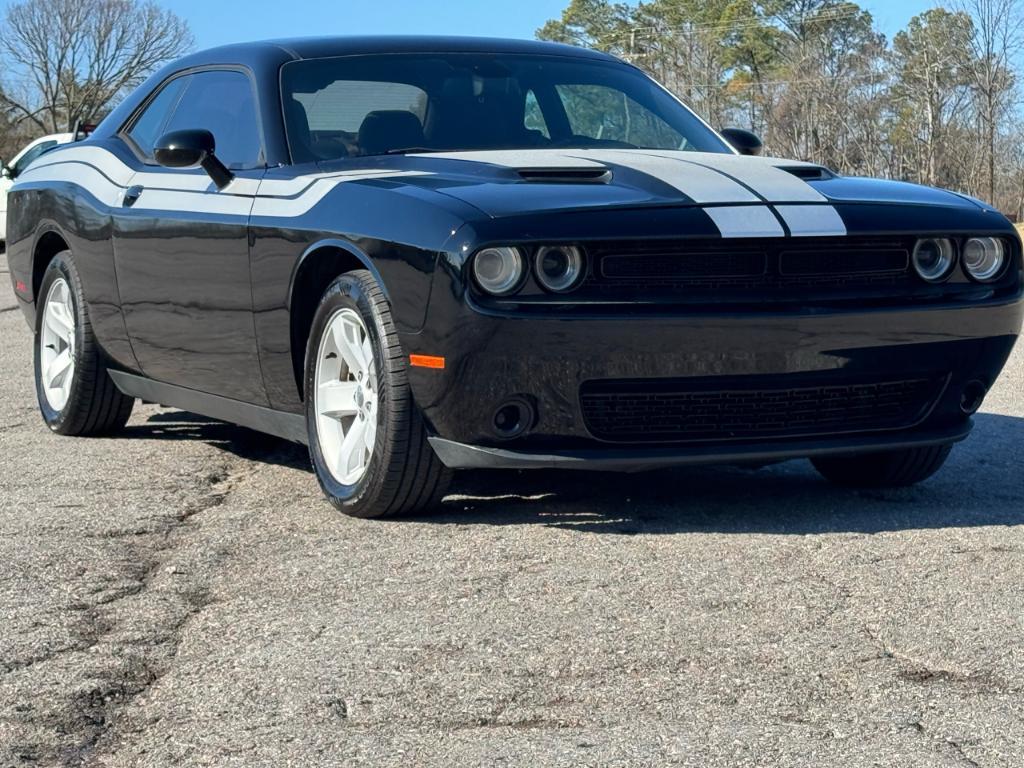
x=242, y=442
x=982, y=485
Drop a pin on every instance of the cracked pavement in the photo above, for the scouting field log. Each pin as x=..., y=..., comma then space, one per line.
x=181, y=595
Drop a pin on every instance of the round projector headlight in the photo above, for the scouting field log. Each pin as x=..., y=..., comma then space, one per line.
x=499, y=271
x=933, y=258
x=559, y=268
x=984, y=258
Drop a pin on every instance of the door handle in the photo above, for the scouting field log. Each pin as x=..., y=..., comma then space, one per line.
x=131, y=196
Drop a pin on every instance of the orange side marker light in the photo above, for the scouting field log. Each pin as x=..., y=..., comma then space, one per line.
x=426, y=361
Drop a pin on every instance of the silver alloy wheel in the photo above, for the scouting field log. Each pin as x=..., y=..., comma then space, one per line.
x=57, y=345
x=345, y=400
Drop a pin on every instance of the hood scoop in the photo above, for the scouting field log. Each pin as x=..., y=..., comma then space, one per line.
x=808, y=172
x=565, y=175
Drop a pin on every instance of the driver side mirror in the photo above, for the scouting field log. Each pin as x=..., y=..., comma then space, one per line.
x=6, y=171
x=192, y=149
x=744, y=142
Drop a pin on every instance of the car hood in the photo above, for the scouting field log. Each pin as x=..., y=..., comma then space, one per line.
x=510, y=183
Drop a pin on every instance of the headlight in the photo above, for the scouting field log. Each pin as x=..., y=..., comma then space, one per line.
x=499, y=271
x=984, y=258
x=559, y=268
x=934, y=257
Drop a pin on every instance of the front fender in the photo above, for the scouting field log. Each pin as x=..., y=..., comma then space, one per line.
x=395, y=232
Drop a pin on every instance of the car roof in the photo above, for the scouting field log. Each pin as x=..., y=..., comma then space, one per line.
x=265, y=59
x=323, y=47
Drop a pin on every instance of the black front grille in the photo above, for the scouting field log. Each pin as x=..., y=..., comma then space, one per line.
x=665, y=410
x=723, y=270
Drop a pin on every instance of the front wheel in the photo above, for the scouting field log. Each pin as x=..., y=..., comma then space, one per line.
x=367, y=439
x=885, y=469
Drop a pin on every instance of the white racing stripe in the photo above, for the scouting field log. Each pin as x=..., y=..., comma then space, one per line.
x=700, y=184
x=812, y=220
x=84, y=176
x=704, y=178
x=104, y=175
x=762, y=175
x=158, y=200
x=296, y=206
x=746, y=221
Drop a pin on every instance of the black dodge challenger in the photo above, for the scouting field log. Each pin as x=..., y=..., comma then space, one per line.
x=425, y=254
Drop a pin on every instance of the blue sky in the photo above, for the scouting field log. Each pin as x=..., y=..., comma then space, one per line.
x=224, y=21
x=215, y=22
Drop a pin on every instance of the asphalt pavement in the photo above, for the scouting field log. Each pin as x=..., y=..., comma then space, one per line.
x=181, y=595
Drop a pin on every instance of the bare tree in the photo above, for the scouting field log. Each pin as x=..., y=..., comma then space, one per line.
x=996, y=43
x=74, y=58
x=931, y=62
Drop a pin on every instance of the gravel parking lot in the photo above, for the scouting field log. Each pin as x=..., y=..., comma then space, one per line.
x=181, y=595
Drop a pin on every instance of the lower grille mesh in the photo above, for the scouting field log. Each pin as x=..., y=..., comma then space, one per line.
x=671, y=410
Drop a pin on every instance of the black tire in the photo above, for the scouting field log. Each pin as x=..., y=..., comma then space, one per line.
x=94, y=405
x=887, y=469
x=404, y=475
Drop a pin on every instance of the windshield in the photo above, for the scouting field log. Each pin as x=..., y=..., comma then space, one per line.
x=385, y=104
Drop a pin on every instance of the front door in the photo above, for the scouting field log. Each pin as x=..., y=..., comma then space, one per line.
x=181, y=246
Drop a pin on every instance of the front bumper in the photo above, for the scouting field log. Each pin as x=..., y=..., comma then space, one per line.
x=546, y=360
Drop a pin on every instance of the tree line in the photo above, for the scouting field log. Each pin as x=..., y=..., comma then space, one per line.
x=937, y=104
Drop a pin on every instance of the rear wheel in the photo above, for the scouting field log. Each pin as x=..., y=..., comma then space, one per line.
x=76, y=394
x=367, y=439
x=886, y=469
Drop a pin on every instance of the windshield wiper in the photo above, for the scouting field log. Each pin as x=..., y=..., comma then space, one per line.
x=414, y=151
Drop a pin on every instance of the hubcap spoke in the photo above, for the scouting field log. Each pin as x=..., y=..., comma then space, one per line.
x=370, y=436
x=348, y=337
x=338, y=399
x=57, y=345
x=346, y=399
x=353, y=450
x=58, y=320
x=57, y=371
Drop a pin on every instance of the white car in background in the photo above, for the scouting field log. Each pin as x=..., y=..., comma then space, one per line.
x=9, y=172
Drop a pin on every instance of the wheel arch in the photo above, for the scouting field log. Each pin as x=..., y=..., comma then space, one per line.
x=48, y=244
x=318, y=266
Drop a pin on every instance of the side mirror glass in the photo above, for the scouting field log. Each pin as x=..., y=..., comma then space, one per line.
x=192, y=149
x=744, y=142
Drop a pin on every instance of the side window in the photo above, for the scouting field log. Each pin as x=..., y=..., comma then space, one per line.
x=31, y=155
x=148, y=127
x=534, y=120
x=222, y=103
x=602, y=113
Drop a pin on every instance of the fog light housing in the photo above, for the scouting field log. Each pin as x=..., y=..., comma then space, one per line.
x=984, y=258
x=934, y=258
x=559, y=268
x=499, y=271
x=514, y=418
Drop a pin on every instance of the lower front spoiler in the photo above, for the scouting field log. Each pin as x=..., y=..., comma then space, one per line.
x=460, y=456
